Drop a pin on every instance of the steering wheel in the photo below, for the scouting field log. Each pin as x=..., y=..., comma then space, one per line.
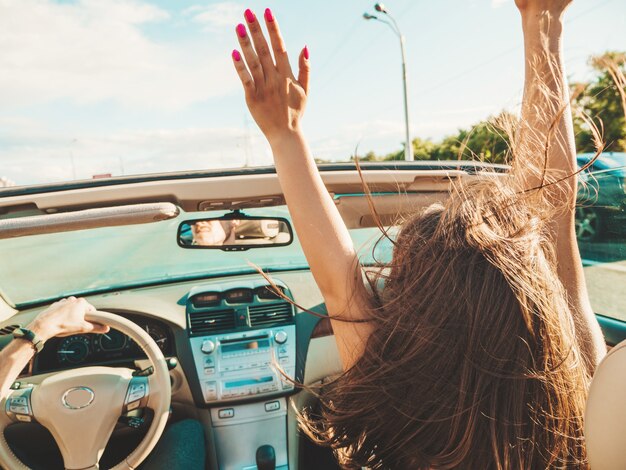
x=80, y=407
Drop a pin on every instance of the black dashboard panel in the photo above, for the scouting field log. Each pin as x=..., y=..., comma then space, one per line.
x=114, y=348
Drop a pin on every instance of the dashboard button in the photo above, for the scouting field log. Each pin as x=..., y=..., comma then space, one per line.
x=208, y=346
x=211, y=391
x=280, y=337
x=226, y=413
x=272, y=406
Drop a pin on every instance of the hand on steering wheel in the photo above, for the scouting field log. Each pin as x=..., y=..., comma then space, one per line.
x=81, y=406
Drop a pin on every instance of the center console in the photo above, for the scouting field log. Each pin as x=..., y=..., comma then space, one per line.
x=250, y=364
x=243, y=342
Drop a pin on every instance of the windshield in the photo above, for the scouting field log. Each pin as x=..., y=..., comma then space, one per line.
x=45, y=267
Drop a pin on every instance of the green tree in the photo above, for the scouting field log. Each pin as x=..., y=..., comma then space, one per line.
x=602, y=102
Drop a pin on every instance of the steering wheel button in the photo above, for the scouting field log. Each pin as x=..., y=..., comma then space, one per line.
x=17, y=409
x=24, y=418
x=136, y=396
x=131, y=406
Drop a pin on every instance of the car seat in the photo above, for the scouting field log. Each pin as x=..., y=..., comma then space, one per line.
x=605, y=414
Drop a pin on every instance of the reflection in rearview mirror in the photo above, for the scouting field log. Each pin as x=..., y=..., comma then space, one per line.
x=232, y=233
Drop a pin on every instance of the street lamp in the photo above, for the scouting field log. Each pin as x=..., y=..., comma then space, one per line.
x=379, y=7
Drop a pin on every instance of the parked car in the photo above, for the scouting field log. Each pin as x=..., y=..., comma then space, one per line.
x=601, y=196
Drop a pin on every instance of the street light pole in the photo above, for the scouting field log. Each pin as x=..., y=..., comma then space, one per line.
x=408, y=153
x=408, y=146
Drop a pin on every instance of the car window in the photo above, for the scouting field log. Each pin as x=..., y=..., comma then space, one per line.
x=601, y=231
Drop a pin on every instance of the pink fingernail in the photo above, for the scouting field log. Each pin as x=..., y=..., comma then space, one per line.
x=268, y=15
x=249, y=16
x=306, y=52
x=236, y=55
x=241, y=30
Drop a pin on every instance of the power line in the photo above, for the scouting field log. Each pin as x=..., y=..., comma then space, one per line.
x=341, y=45
x=589, y=10
x=345, y=65
x=504, y=53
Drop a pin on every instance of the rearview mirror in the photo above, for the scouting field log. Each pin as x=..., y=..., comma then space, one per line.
x=234, y=232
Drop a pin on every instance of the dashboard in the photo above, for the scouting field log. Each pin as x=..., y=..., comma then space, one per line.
x=106, y=349
x=240, y=350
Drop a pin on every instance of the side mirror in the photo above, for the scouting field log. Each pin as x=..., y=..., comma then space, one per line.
x=234, y=232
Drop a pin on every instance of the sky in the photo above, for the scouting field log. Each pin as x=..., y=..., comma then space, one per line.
x=125, y=87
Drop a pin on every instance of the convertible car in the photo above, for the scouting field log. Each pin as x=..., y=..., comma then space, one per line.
x=173, y=263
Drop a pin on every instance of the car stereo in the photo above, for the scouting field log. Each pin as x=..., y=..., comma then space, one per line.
x=243, y=339
x=238, y=365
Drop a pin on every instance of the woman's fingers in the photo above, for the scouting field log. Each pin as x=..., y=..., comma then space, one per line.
x=97, y=328
x=256, y=70
x=278, y=45
x=242, y=71
x=260, y=44
x=303, y=73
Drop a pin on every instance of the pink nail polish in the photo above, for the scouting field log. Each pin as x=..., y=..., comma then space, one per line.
x=268, y=15
x=241, y=30
x=236, y=55
x=306, y=52
x=249, y=16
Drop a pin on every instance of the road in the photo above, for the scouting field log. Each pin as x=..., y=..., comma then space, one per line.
x=605, y=269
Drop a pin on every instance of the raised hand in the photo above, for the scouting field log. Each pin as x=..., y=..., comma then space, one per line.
x=276, y=99
x=554, y=6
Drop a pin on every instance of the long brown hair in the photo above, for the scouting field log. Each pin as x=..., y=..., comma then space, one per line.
x=473, y=362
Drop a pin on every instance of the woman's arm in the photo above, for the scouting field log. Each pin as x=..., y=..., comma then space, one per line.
x=63, y=318
x=277, y=100
x=546, y=139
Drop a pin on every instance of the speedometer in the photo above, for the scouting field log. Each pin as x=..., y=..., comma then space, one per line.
x=159, y=335
x=74, y=349
x=112, y=341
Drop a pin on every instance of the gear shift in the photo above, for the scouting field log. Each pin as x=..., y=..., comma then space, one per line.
x=265, y=458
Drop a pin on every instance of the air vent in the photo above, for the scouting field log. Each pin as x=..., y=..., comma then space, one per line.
x=273, y=314
x=213, y=320
x=269, y=293
x=7, y=330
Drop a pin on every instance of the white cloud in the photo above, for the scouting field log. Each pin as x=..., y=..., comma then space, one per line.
x=31, y=156
x=97, y=50
x=216, y=16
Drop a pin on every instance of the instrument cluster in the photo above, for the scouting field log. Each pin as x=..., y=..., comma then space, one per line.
x=94, y=349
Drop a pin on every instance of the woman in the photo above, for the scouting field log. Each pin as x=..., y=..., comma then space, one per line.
x=478, y=351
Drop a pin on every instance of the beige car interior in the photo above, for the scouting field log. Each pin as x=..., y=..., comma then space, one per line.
x=86, y=219
x=605, y=416
x=81, y=423
x=396, y=194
